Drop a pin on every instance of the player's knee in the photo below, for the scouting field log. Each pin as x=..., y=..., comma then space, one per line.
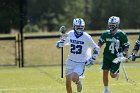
x=75, y=79
x=112, y=75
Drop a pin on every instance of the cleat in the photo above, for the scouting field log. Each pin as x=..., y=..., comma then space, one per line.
x=79, y=86
x=106, y=91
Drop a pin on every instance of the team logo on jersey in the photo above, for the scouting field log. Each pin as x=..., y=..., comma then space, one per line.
x=111, y=39
x=76, y=41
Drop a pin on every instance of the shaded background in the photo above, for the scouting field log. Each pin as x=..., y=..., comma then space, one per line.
x=45, y=16
x=49, y=15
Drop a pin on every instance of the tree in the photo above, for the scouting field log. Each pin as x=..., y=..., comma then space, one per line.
x=9, y=15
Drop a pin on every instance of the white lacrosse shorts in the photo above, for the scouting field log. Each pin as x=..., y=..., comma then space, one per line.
x=77, y=67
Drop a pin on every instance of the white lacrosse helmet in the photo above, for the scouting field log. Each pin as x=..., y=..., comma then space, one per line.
x=113, y=23
x=78, y=25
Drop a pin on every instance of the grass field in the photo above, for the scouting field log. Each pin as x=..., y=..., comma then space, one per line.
x=47, y=80
x=44, y=52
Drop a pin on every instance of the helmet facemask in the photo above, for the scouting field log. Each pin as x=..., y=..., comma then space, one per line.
x=79, y=29
x=113, y=23
x=112, y=27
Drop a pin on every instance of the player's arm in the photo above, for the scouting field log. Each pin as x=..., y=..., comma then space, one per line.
x=101, y=40
x=136, y=47
x=125, y=46
x=95, y=54
x=135, y=50
x=62, y=42
x=96, y=49
x=99, y=44
x=122, y=50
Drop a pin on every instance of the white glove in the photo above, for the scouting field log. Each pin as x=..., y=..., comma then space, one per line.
x=89, y=62
x=60, y=44
x=120, y=58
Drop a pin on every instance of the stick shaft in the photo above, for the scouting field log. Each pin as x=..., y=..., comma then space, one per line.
x=137, y=56
x=62, y=62
x=126, y=76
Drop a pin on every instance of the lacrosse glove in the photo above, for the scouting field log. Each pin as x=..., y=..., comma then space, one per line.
x=90, y=62
x=132, y=57
x=120, y=57
x=60, y=44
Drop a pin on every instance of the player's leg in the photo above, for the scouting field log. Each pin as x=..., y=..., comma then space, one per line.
x=68, y=83
x=68, y=72
x=114, y=71
x=105, y=77
x=106, y=68
x=78, y=71
x=105, y=81
x=76, y=80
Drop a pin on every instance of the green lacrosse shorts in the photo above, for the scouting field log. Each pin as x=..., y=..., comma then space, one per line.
x=109, y=65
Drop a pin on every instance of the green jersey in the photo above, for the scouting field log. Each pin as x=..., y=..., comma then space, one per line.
x=114, y=43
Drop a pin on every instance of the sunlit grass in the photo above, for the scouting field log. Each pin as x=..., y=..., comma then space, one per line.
x=43, y=51
x=48, y=80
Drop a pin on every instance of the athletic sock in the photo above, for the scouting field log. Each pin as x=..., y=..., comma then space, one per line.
x=106, y=87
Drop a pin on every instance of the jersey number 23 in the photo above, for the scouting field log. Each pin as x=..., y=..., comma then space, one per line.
x=76, y=49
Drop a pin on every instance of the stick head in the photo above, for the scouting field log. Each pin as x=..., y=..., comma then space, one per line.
x=62, y=29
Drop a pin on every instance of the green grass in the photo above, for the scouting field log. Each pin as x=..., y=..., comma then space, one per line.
x=44, y=52
x=47, y=80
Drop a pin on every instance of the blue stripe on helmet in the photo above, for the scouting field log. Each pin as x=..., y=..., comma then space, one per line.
x=80, y=21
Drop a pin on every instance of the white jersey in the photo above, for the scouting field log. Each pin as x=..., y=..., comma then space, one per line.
x=80, y=47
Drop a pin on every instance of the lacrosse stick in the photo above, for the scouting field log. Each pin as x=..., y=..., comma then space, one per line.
x=137, y=57
x=124, y=71
x=62, y=31
x=126, y=76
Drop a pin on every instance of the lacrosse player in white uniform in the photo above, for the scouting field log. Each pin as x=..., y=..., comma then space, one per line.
x=79, y=42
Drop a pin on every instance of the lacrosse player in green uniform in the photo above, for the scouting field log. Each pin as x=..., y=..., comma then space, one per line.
x=135, y=50
x=117, y=45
